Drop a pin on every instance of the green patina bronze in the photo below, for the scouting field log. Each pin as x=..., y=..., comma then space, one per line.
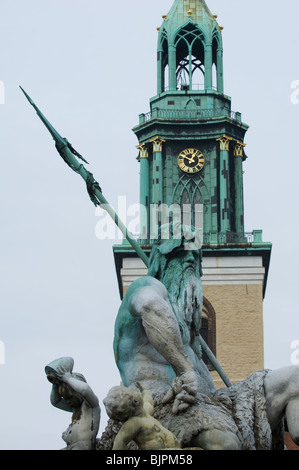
x=70, y=155
x=185, y=114
x=190, y=110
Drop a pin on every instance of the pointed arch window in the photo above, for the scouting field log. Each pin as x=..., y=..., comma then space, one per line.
x=217, y=60
x=163, y=62
x=190, y=58
x=188, y=195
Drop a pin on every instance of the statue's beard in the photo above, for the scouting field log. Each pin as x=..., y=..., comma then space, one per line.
x=185, y=295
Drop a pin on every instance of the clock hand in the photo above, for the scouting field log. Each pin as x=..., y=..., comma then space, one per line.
x=191, y=160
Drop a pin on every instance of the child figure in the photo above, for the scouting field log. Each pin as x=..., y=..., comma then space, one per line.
x=137, y=409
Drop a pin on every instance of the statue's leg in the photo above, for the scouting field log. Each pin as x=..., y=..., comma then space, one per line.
x=151, y=305
x=216, y=440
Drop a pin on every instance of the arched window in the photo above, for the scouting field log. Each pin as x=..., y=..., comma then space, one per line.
x=188, y=195
x=215, y=45
x=193, y=197
x=163, y=62
x=190, y=57
x=208, y=330
x=217, y=60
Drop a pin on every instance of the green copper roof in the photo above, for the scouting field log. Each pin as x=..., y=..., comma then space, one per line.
x=189, y=11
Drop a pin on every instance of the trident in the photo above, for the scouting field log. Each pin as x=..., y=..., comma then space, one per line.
x=70, y=155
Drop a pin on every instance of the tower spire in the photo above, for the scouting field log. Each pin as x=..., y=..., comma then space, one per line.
x=189, y=46
x=191, y=156
x=182, y=9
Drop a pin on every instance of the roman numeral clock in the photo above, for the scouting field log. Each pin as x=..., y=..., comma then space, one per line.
x=191, y=160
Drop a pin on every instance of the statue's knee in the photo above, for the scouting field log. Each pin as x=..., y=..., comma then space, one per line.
x=145, y=301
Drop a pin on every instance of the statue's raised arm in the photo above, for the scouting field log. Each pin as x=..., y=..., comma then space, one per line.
x=70, y=392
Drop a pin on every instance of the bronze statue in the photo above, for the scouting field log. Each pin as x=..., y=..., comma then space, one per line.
x=135, y=408
x=71, y=393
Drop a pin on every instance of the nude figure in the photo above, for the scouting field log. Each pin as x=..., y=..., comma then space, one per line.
x=137, y=409
x=156, y=344
x=71, y=393
x=157, y=327
x=158, y=323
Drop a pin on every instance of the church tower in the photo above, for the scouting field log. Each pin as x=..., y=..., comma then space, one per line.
x=191, y=156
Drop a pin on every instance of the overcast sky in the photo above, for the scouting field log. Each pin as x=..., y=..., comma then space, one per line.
x=90, y=66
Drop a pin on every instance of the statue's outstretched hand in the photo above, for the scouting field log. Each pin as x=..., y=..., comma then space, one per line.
x=183, y=391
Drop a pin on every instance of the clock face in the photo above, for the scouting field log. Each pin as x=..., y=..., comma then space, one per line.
x=191, y=161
